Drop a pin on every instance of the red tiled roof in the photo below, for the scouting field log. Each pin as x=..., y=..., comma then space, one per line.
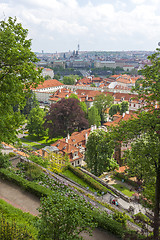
x=49, y=83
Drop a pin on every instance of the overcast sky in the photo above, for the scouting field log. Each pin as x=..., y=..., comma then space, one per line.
x=59, y=25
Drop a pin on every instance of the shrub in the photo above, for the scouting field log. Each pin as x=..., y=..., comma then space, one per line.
x=88, y=179
x=39, y=160
x=31, y=187
x=10, y=230
x=106, y=222
x=17, y=220
x=12, y=154
x=120, y=217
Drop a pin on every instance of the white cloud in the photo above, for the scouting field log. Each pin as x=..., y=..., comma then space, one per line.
x=56, y=20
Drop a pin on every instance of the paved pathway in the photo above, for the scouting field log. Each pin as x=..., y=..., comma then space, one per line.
x=19, y=198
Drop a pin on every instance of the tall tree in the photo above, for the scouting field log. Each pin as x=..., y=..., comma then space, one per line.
x=17, y=73
x=69, y=80
x=124, y=106
x=149, y=90
x=101, y=102
x=94, y=117
x=99, y=152
x=31, y=102
x=65, y=117
x=114, y=109
x=36, y=121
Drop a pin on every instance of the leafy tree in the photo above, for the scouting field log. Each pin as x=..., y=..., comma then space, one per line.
x=57, y=76
x=148, y=89
x=64, y=217
x=82, y=104
x=4, y=160
x=94, y=117
x=124, y=106
x=17, y=73
x=99, y=152
x=57, y=162
x=93, y=85
x=70, y=80
x=73, y=95
x=114, y=109
x=84, y=108
x=64, y=117
x=141, y=160
x=101, y=102
x=31, y=102
x=36, y=121
x=47, y=77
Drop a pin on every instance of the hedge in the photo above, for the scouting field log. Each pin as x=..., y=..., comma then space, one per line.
x=31, y=187
x=106, y=222
x=100, y=188
x=13, y=219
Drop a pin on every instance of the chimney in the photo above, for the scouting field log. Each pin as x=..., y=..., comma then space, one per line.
x=68, y=136
x=66, y=140
x=123, y=115
x=86, y=97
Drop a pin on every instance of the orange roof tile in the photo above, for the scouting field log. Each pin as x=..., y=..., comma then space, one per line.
x=49, y=83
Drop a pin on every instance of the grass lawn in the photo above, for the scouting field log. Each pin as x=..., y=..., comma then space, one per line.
x=43, y=140
x=33, y=140
x=123, y=189
x=75, y=178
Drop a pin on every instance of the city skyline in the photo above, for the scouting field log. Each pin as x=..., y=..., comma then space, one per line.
x=96, y=25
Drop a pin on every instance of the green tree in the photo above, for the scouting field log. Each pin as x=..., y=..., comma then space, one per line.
x=4, y=160
x=31, y=102
x=17, y=73
x=141, y=161
x=101, y=102
x=124, y=106
x=114, y=109
x=81, y=104
x=94, y=117
x=36, y=122
x=145, y=125
x=69, y=80
x=47, y=77
x=99, y=152
x=64, y=217
x=148, y=90
x=57, y=76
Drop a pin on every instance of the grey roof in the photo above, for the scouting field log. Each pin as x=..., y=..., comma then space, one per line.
x=50, y=149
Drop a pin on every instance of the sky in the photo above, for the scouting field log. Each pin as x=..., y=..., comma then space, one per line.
x=96, y=25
